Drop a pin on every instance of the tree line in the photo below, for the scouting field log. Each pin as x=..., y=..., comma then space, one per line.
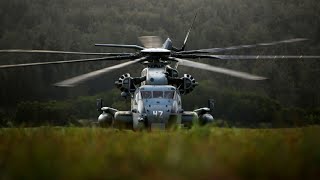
x=75, y=25
x=231, y=109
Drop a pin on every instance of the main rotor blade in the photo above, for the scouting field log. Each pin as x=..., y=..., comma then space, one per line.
x=59, y=52
x=65, y=62
x=211, y=68
x=231, y=57
x=240, y=57
x=85, y=77
x=121, y=46
x=215, y=50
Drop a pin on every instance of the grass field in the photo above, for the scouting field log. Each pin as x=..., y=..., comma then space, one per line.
x=199, y=153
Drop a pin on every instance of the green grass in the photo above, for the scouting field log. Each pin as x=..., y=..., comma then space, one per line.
x=199, y=153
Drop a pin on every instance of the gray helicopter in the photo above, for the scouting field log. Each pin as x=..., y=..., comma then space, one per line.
x=156, y=94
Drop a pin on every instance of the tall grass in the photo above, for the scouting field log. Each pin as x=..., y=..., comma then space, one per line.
x=199, y=153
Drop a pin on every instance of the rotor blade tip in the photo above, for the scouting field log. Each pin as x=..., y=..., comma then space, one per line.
x=63, y=85
x=261, y=78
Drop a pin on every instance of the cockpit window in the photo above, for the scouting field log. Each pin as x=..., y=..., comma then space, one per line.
x=146, y=94
x=168, y=94
x=157, y=94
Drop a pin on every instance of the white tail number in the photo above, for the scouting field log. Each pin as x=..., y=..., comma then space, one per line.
x=157, y=113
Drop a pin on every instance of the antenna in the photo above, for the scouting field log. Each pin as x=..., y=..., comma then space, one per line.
x=186, y=39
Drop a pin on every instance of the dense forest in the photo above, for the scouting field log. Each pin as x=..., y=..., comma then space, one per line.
x=290, y=96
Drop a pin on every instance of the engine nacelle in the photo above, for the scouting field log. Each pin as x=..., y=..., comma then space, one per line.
x=125, y=83
x=172, y=72
x=188, y=84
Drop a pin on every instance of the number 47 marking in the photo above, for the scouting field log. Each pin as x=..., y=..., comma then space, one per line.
x=157, y=112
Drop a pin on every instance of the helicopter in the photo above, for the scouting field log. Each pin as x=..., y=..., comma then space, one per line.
x=156, y=94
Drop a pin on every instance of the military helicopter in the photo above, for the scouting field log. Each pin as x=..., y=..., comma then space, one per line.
x=156, y=94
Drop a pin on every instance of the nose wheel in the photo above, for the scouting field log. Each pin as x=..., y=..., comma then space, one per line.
x=142, y=124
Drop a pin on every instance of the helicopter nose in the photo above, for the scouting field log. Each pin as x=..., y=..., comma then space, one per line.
x=159, y=111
